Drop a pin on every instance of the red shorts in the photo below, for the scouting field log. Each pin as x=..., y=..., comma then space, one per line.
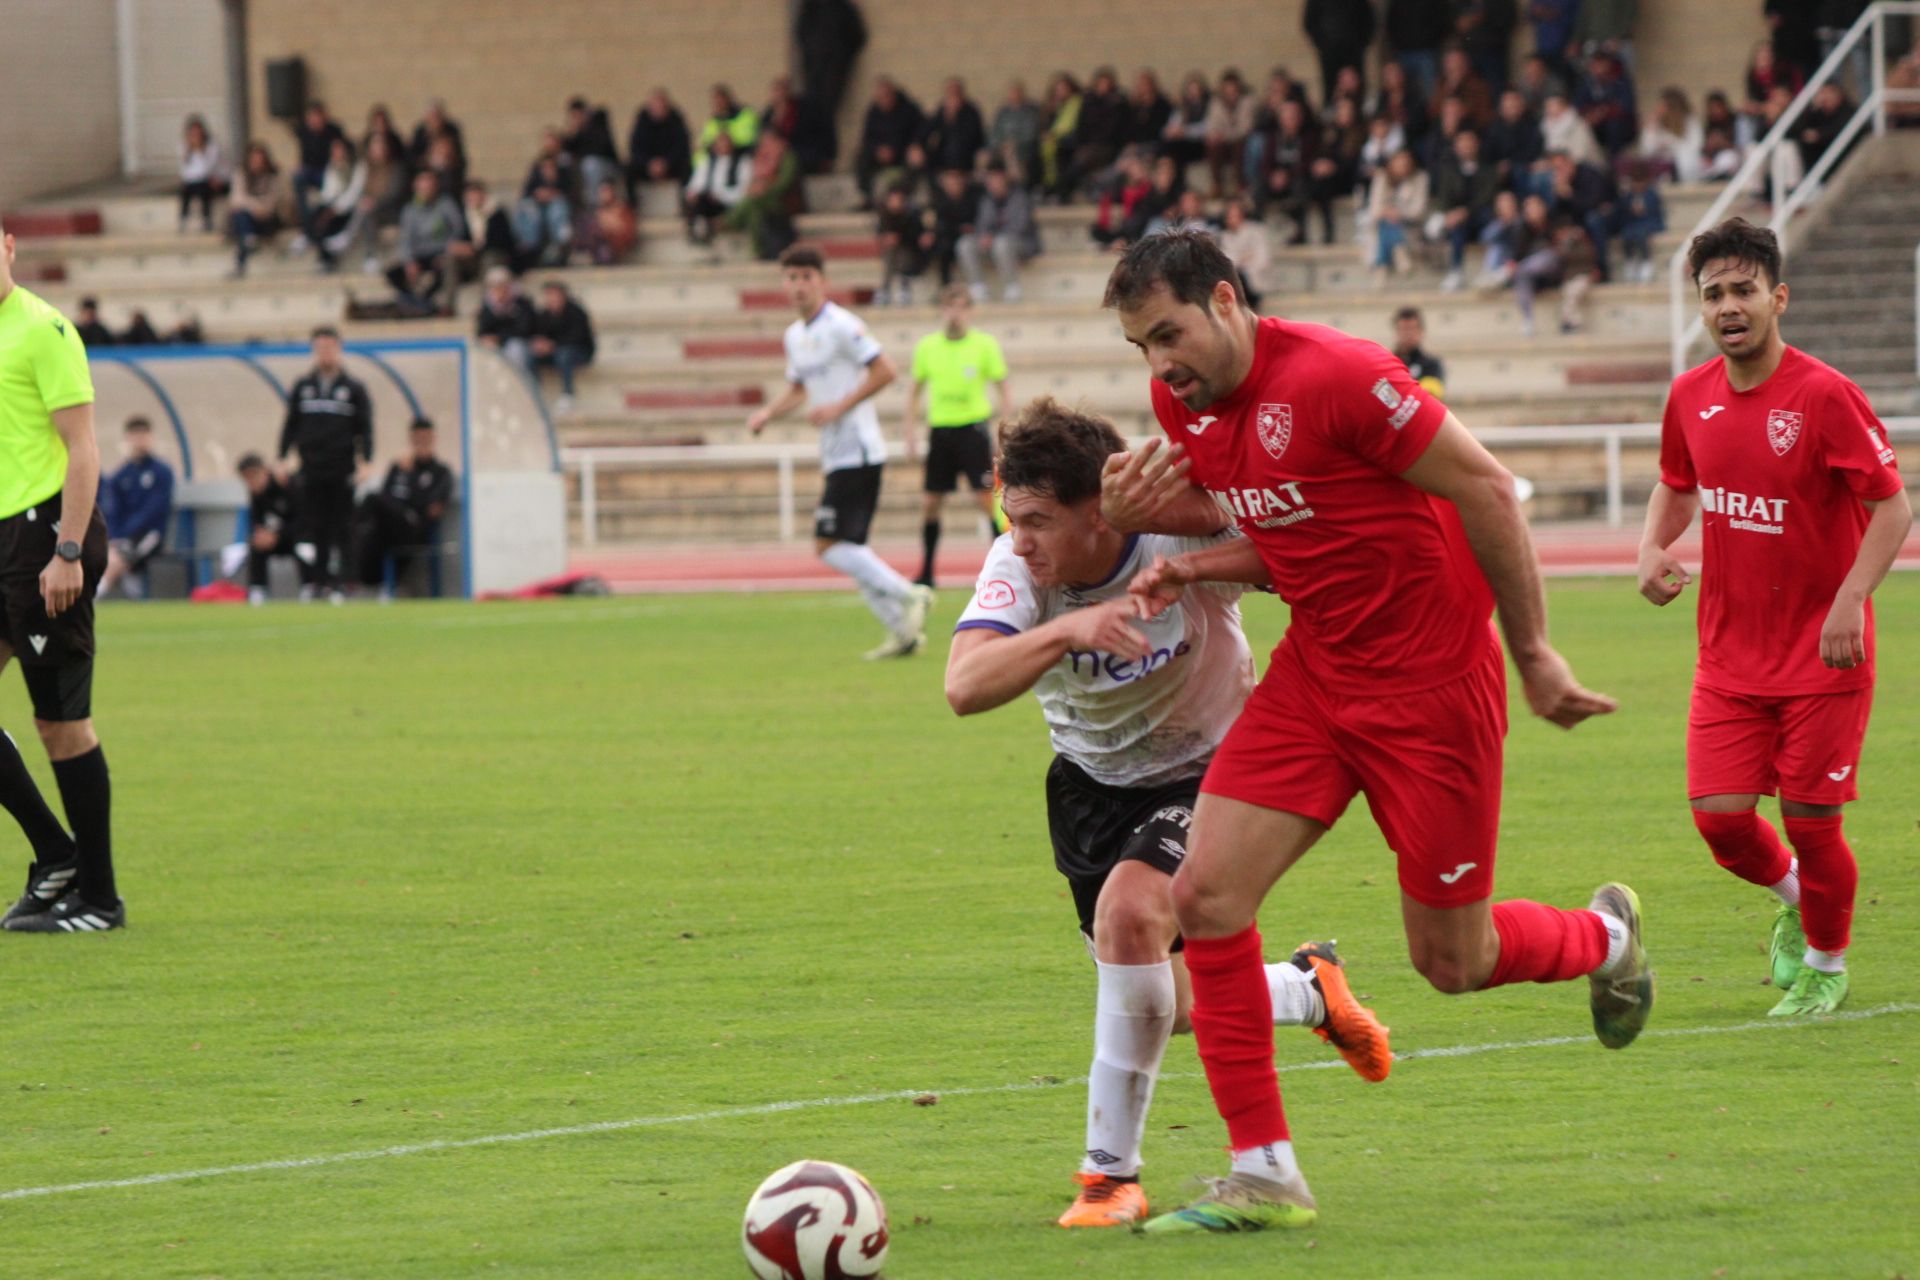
x=1429, y=763
x=1804, y=746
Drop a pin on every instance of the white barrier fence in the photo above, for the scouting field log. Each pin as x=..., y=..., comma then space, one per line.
x=785, y=459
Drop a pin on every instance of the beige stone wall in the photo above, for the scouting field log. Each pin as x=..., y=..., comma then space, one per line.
x=59, y=74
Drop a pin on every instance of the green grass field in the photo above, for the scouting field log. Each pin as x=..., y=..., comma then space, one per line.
x=431, y=874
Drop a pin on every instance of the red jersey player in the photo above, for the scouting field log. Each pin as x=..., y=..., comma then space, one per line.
x=1393, y=535
x=1804, y=512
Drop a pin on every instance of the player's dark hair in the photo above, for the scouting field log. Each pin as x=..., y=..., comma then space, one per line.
x=421, y=424
x=1057, y=451
x=1408, y=313
x=249, y=462
x=324, y=331
x=1740, y=240
x=138, y=422
x=803, y=257
x=1187, y=263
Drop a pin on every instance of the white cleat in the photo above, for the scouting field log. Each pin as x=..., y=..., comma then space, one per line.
x=893, y=647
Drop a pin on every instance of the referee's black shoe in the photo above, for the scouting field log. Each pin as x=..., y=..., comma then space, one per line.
x=45, y=884
x=72, y=914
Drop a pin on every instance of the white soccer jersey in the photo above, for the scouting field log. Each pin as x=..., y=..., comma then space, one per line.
x=1127, y=723
x=829, y=355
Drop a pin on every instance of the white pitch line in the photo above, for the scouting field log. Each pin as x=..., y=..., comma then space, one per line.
x=868, y=1099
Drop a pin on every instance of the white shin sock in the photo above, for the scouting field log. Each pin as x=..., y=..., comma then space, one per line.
x=882, y=585
x=1130, y=1030
x=1295, y=1001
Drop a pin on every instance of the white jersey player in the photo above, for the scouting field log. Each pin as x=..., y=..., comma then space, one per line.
x=1135, y=708
x=836, y=367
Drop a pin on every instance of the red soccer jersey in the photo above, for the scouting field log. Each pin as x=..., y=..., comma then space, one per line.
x=1781, y=471
x=1306, y=454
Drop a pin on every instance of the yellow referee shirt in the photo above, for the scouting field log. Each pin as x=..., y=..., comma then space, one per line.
x=956, y=372
x=43, y=369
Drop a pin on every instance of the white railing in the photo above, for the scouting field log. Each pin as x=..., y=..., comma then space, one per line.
x=1769, y=156
x=589, y=462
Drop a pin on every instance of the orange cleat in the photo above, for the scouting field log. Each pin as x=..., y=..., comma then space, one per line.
x=1105, y=1202
x=1350, y=1026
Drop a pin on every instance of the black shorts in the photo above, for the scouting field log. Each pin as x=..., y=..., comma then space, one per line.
x=847, y=502
x=46, y=647
x=953, y=452
x=1096, y=827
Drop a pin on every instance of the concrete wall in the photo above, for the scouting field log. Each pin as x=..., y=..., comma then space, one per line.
x=59, y=96
x=178, y=68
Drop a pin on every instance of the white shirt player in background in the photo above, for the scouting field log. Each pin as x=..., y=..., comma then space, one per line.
x=1135, y=708
x=835, y=367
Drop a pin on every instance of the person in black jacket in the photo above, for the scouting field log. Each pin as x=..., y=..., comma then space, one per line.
x=562, y=338
x=955, y=134
x=829, y=35
x=330, y=424
x=315, y=133
x=1415, y=31
x=1098, y=135
x=505, y=319
x=588, y=138
x=272, y=524
x=1340, y=30
x=798, y=119
x=893, y=123
x=402, y=520
x=659, y=149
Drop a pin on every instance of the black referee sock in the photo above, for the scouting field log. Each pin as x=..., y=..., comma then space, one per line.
x=929, y=543
x=85, y=793
x=21, y=797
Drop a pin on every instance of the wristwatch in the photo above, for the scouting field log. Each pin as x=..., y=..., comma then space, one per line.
x=68, y=551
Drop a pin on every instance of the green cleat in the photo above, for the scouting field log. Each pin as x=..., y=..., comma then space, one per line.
x=1241, y=1202
x=1622, y=1001
x=1786, y=947
x=1813, y=993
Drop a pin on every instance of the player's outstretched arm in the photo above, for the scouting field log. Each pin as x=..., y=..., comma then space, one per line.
x=1843, y=637
x=786, y=402
x=1669, y=512
x=1458, y=468
x=986, y=669
x=1147, y=491
x=1163, y=582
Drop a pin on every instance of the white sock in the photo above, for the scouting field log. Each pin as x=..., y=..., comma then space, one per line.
x=1825, y=961
x=1789, y=886
x=1274, y=1162
x=1617, y=938
x=1296, y=1001
x=1130, y=1031
x=879, y=581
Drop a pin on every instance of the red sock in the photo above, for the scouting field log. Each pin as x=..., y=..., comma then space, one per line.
x=1747, y=845
x=1539, y=943
x=1828, y=878
x=1233, y=1030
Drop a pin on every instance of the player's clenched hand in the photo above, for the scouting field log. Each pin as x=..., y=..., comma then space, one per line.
x=1555, y=695
x=757, y=421
x=1159, y=585
x=1843, y=636
x=60, y=585
x=1662, y=576
x=1108, y=628
x=1135, y=487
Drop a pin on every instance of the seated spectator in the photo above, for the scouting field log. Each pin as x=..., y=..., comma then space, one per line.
x=401, y=521
x=719, y=182
x=659, y=148
x=1564, y=129
x=1671, y=141
x=1905, y=75
x=272, y=519
x=1399, y=101
x=1188, y=213
x=1288, y=182
x=773, y=197
x=562, y=339
x=1015, y=136
x=1583, y=194
x=1716, y=112
x=1539, y=81
x=1255, y=158
x=139, y=331
x=609, y=231
x=437, y=126
x=1185, y=135
x=729, y=117
x=1347, y=83
x=203, y=172
x=314, y=134
x=384, y=193
x=87, y=324
x=1246, y=245
x=1551, y=252
x=1605, y=100
x=893, y=123
x=955, y=204
x=1822, y=122
x=446, y=162
x=800, y=120
x=552, y=161
x=899, y=228
x=137, y=501
x=1131, y=182
x=380, y=125
x=429, y=225
x=1098, y=136
x=1148, y=112
x=335, y=204
x=1343, y=135
x=261, y=203
x=1061, y=118
x=1437, y=146
x=1459, y=80
x=1409, y=331
x=1499, y=238
x=1513, y=143
x=1340, y=32
x=1720, y=160
x=1384, y=139
x=588, y=138
x=954, y=135
x=1229, y=122
x=505, y=319
x=1764, y=72
x=1004, y=231
x=1396, y=206
x=1163, y=195
x=1638, y=218
x=543, y=218
x=1463, y=191
x=487, y=237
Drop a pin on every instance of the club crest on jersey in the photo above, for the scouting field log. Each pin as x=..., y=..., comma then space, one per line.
x=997, y=594
x=1275, y=424
x=1783, y=430
x=1386, y=394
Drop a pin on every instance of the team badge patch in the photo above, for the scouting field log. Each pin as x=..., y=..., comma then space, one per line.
x=997, y=594
x=1275, y=423
x=1783, y=429
x=1386, y=394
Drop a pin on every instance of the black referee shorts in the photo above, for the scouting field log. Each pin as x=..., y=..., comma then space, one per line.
x=953, y=452
x=1096, y=827
x=56, y=654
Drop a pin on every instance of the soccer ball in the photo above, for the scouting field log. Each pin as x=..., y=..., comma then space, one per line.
x=814, y=1220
